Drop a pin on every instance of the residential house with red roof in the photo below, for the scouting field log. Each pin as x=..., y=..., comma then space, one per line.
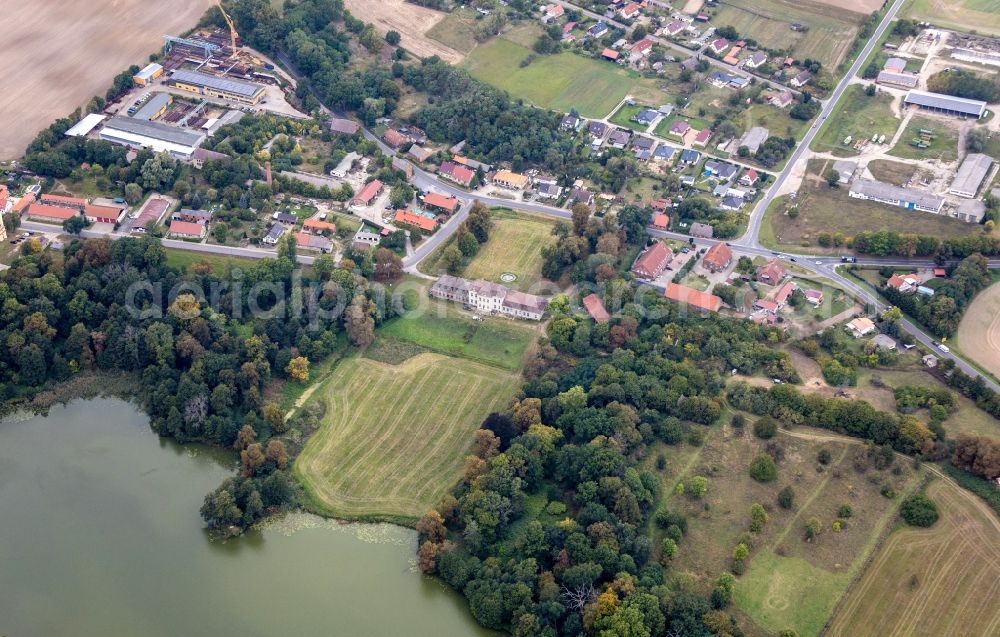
x=394, y=138
x=456, y=173
x=905, y=283
x=771, y=272
x=595, y=307
x=407, y=218
x=652, y=261
x=187, y=230
x=442, y=202
x=718, y=257
x=317, y=226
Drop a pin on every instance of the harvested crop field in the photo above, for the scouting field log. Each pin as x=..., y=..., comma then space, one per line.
x=979, y=331
x=832, y=25
x=48, y=77
x=944, y=580
x=412, y=22
x=395, y=436
x=978, y=16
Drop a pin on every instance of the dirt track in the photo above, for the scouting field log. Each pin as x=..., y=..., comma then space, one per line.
x=410, y=21
x=56, y=55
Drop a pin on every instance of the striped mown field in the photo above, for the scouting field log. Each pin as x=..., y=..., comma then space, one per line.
x=395, y=437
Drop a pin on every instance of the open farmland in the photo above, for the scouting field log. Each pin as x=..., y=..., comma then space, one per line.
x=412, y=22
x=515, y=247
x=944, y=580
x=789, y=583
x=561, y=82
x=832, y=25
x=47, y=77
x=978, y=16
x=979, y=331
x=394, y=437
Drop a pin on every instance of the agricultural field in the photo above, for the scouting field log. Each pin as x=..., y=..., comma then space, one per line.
x=515, y=247
x=944, y=580
x=832, y=25
x=456, y=30
x=412, y=22
x=824, y=209
x=857, y=115
x=395, y=436
x=977, y=16
x=110, y=36
x=562, y=81
x=943, y=146
x=979, y=331
x=789, y=583
x=443, y=327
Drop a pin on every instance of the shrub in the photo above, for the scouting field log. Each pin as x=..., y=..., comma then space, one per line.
x=697, y=486
x=765, y=427
x=813, y=528
x=762, y=469
x=845, y=511
x=786, y=498
x=919, y=510
x=738, y=421
x=824, y=456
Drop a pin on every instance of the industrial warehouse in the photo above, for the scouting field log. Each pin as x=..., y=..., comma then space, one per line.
x=219, y=87
x=947, y=104
x=871, y=190
x=159, y=137
x=971, y=175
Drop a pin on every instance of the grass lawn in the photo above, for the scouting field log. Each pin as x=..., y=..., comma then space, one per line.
x=443, y=327
x=515, y=247
x=183, y=259
x=893, y=172
x=560, y=82
x=663, y=128
x=394, y=437
x=936, y=581
x=825, y=209
x=777, y=120
x=978, y=16
x=623, y=117
x=856, y=115
x=944, y=146
x=456, y=30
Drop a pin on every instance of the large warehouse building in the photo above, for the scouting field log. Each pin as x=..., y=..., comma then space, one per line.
x=947, y=104
x=220, y=87
x=154, y=135
x=908, y=198
x=154, y=106
x=971, y=175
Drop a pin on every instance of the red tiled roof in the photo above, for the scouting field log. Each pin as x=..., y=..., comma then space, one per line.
x=596, y=308
x=652, y=260
x=661, y=220
x=772, y=271
x=411, y=219
x=102, y=212
x=316, y=224
x=186, y=228
x=703, y=136
x=693, y=297
x=51, y=212
x=718, y=256
x=394, y=138
x=461, y=174
x=610, y=54
x=24, y=201
x=369, y=191
x=59, y=200
x=441, y=201
x=784, y=292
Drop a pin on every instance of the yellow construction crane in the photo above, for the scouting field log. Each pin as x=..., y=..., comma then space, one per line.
x=232, y=30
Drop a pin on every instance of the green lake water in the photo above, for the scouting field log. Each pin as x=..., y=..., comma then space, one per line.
x=100, y=535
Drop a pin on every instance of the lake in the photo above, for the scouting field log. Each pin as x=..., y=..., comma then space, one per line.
x=100, y=535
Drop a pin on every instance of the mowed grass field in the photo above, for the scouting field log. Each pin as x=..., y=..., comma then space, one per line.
x=944, y=146
x=831, y=29
x=979, y=331
x=515, y=247
x=395, y=437
x=981, y=16
x=859, y=116
x=789, y=583
x=560, y=82
x=944, y=580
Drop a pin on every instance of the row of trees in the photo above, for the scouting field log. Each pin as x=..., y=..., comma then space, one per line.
x=942, y=312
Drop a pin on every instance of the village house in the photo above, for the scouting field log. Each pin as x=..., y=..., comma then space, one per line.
x=343, y=126
x=719, y=45
x=441, y=202
x=640, y=49
x=285, y=218
x=552, y=12
x=731, y=203
x=651, y=262
x=674, y=28
x=407, y=218
x=664, y=152
x=598, y=30
x=510, y=180
x=814, y=297
x=690, y=157
x=187, y=230
x=310, y=241
x=861, y=326
x=192, y=216
x=582, y=195
x=646, y=116
x=801, y=79
x=701, y=230
x=548, y=191
x=274, y=234
x=905, y=283
x=766, y=306
x=610, y=54
x=771, y=272
x=720, y=169
x=749, y=178
x=394, y=138
x=782, y=99
x=595, y=308
x=619, y=138
x=884, y=341
x=781, y=297
x=679, y=128
x=597, y=130
x=419, y=153
x=702, y=137
x=459, y=174
x=756, y=60
x=718, y=257
x=692, y=297
x=570, y=123
x=318, y=226
x=661, y=221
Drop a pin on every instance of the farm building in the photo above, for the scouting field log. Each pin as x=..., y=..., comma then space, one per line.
x=420, y=153
x=193, y=216
x=219, y=87
x=970, y=175
x=154, y=135
x=489, y=298
x=316, y=226
x=154, y=106
x=845, y=169
x=103, y=214
x=50, y=214
x=595, y=308
x=311, y=241
x=718, y=257
x=908, y=198
x=394, y=138
x=343, y=126
x=754, y=138
x=897, y=78
x=345, y=165
x=85, y=125
x=65, y=202
x=651, y=262
x=368, y=193
x=947, y=104
x=442, y=202
x=187, y=230
x=149, y=73
x=363, y=238
x=510, y=180
x=694, y=298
